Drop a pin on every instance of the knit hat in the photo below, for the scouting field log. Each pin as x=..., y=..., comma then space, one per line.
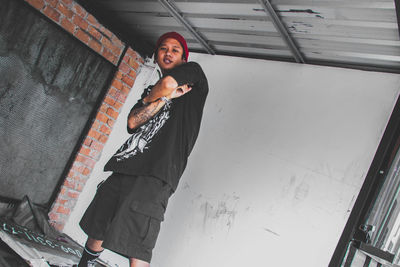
x=177, y=37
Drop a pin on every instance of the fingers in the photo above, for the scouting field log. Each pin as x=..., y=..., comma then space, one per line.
x=184, y=88
x=181, y=90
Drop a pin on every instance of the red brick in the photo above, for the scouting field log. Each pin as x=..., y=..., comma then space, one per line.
x=86, y=171
x=94, y=134
x=97, y=146
x=106, y=32
x=65, y=10
x=80, y=22
x=95, y=45
x=71, y=173
x=94, y=154
x=108, y=55
x=95, y=125
x=115, y=40
x=86, y=161
x=111, y=123
x=53, y=216
x=58, y=226
x=121, y=97
x=115, y=61
x=133, y=63
x=38, y=4
x=126, y=79
x=116, y=50
x=124, y=67
x=61, y=201
x=63, y=210
x=103, y=139
x=88, y=142
x=75, y=167
x=52, y=3
x=108, y=100
x=118, y=75
x=81, y=170
x=104, y=107
x=63, y=190
x=126, y=89
x=85, y=151
x=79, y=187
x=67, y=2
x=106, y=130
x=78, y=178
x=117, y=105
x=112, y=113
x=83, y=36
x=92, y=20
x=94, y=32
x=132, y=74
x=69, y=183
x=69, y=26
x=80, y=11
x=106, y=42
x=52, y=13
x=132, y=53
x=126, y=59
x=73, y=195
x=117, y=84
x=101, y=117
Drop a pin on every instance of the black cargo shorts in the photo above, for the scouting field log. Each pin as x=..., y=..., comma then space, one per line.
x=126, y=214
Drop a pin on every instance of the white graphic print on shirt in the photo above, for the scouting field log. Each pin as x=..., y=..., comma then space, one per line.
x=140, y=139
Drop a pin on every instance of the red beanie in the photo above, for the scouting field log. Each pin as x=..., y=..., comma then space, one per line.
x=177, y=37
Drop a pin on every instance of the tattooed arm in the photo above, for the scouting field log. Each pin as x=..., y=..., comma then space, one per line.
x=165, y=87
x=139, y=116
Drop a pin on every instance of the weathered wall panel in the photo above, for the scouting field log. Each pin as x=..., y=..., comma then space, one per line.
x=49, y=87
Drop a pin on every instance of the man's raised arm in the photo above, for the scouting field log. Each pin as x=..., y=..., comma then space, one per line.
x=166, y=87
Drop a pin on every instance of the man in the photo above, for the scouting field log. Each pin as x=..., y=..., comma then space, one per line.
x=126, y=213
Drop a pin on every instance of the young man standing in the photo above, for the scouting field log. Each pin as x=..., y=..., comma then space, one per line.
x=126, y=213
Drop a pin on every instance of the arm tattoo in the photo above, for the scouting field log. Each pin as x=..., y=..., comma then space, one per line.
x=139, y=116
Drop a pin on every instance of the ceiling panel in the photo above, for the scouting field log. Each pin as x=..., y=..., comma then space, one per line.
x=354, y=33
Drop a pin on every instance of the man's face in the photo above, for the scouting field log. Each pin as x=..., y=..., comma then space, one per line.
x=169, y=54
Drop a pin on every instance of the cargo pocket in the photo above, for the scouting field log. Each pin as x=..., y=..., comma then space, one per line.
x=155, y=214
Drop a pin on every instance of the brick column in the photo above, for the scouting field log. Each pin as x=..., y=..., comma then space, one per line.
x=77, y=21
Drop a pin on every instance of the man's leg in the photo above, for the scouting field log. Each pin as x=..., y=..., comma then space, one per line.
x=91, y=252
x=138, y=263
x=94, y=244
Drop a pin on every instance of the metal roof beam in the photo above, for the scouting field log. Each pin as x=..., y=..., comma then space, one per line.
x=168, y=5
x=397, y=3
x=282, y=30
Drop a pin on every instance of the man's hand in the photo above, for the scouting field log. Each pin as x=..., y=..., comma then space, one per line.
x=180, y=91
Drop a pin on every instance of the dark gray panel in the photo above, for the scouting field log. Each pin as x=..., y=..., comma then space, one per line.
x=50, y=83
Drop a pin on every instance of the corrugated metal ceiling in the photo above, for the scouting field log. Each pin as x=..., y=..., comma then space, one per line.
x=360, y=34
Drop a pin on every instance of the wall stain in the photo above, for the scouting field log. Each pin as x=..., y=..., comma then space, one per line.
x=272, y=232
x=301, y=191
x=287, y=188
x=186, y=186
x=220, y=214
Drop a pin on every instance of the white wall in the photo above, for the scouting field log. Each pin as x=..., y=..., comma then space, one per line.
x=282, y=153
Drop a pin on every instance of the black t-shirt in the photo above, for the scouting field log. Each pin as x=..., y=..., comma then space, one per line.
x=161, y=146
